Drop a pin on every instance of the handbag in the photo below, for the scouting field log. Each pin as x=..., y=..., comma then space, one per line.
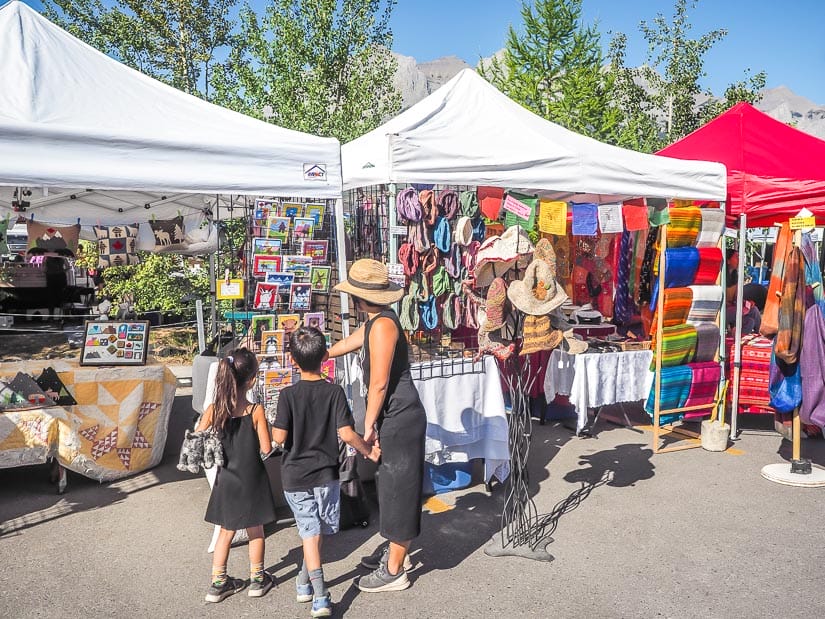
x=785, y=385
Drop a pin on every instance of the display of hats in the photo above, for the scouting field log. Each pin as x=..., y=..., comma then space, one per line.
x=491, y=343
x=463, y=231
x=538, y=293
x=429, y=211
x=408, y=257
x=544, y=251
x=479, y=230
x=448, y=203
x=496, y=302
x=538, y=335
x=408, y=205
x=572, y=344
x=469, y=204
x=442, y=235
x=499, y=254
x=368, y=279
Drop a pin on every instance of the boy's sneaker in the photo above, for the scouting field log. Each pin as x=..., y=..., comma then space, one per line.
x=382, y=555
x=322, y=607
x=259, y=588
x=218, y=593
x=303, y=593
x=382, y=580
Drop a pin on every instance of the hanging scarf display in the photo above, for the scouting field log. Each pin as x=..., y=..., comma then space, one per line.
x=706, y=301
x=813, y=276
x=646, y=268
x=791, y=309
x=675, y=388
x=680, y=270
x=710, y=266
x=770, y=317
x=684, y=227
x=676, y=305
x=678, y=345
x=707, y=342
x=408, y=205
x=712, y=227
x=704, y=383
x=448, y=204
x=623, y=309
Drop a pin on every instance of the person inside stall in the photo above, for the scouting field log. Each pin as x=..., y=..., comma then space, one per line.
x=751, y=298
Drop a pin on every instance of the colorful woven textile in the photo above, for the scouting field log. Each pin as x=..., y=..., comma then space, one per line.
x=646, y=268
x=623, y=304
x=713, y=225
x=677, y=304
x=770, y=316
x=707, y=342
x=813, y=274
x=704, y=383
x=710, y=266
x=792, y=309
x=678, y=345
x=680, y=270
x=684, y=227
x=706, y=303
x=675, y=387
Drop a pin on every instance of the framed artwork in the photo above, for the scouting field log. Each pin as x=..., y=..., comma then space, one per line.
x=279, y=378
x=316, y=211
x=266, y=296
x=288, y=323
x=292, y=210
x=299, y=266
x=272, y=342
x=278, y=228
x=115, y=343
x=303, y=228
x=315, y=249
x=263, y=210
x=300, y=297
x=259, y=324
x=315, y=319
x=262, y=246
x=230, y=289
x=319, y=278
x=284, y=280
x=328, y=370
x=261, y=265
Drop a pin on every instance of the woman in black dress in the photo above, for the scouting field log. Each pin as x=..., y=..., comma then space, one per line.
x=395, y=417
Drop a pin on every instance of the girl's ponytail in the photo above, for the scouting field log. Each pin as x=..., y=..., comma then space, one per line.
x=234, y=372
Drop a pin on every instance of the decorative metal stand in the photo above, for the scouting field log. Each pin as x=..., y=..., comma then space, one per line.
x=523, y=531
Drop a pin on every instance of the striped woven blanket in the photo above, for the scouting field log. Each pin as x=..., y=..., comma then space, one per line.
x=676, y=304
x=684, y=227
x=678, y=345
x=710, y=266
x=707, y=342
x=705, y=304
x=675, y=387
x=704, y=383
x=712, y=227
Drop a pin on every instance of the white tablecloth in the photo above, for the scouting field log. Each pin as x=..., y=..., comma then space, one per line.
x=597, y=379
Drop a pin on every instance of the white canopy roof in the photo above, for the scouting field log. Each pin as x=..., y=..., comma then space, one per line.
x=469, y=133
x=71, y=117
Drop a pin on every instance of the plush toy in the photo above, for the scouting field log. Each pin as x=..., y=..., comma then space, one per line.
x=191, y=452
x=212, y=450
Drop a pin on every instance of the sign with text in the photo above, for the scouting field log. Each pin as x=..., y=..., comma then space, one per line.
x=517, y=208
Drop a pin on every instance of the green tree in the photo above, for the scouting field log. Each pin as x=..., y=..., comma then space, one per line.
x=661, y=99
x=175, y=42
x=555, y=68
x=319, y=66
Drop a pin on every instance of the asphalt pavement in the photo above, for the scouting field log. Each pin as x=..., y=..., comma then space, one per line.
x=684, y=534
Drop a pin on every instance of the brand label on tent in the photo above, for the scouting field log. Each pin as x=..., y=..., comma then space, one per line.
x=315, y=172
x=800, y=223
x=517, y=208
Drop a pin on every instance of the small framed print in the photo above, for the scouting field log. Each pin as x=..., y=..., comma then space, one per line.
x=284, y=280
x=289, y=323
x=262, y=246
x=315, y=249
x=292, y=210
x=328, y=370
x=115, y=343
x=300, y=297
x=261, y=265
x=319, y=277
x=266, y=296
x=230, y=289
x=259, y=324
x=299, y=266
x=315, y=319
x=264, y=208
x=316, y=211
x=303, y=228
x=278, y=228
x=272, y=342
x=278, y=378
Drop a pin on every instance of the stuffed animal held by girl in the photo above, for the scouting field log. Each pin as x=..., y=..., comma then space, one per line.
x=191, y=452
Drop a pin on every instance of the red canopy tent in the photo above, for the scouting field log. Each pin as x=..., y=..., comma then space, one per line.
x=774, y=170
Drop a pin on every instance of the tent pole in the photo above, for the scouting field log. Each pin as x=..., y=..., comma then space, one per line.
x=737, y=336
x=393, y=222
x=341, y=252
x=762, y=268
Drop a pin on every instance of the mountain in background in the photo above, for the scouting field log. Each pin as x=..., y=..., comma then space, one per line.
x=416, y=80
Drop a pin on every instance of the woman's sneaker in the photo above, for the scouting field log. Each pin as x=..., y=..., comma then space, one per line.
x=303, y=593
x=259, y=588
x=381, y=555
x=218, y=593
x=322, y=607
x=382, y=580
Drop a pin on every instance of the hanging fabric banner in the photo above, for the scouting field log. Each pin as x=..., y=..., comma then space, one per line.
x=585, y=219
x=635, y=217
x=489, y=199
x=610, y=218
x=553, y=217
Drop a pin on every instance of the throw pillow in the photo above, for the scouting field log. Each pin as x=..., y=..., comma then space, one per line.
x=26, y=386
x=169, y=233
x=54, y=388
x=60, y=239
x=117, y=245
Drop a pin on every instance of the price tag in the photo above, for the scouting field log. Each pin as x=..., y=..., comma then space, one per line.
x=800, y=223
x=233, y=289
x=398, y=230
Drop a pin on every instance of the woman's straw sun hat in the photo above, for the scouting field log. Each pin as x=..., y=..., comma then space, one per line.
x=367, y=279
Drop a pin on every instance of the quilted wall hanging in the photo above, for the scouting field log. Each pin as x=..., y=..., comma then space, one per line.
x=53, y=238
x=117, y=245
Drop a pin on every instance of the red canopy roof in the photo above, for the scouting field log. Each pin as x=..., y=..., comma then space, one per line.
x=774, y=170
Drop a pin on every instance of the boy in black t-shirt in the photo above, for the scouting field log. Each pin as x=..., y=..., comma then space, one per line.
x=311, y=415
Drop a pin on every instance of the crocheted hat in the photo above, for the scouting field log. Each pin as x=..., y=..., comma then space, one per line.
x=469, y=203
x=448, y=203
x=538, y=293
x=496, y=300
x=429, y=210
x=499, y=254
x=544, y=251
x=408, y=205
x=367, y=279
x=538, y=335
x=463, y=231
x=441, y=235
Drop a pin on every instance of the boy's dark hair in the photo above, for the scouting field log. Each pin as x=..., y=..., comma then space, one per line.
x=308, y=347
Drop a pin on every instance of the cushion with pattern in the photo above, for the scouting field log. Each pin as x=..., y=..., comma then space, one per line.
x=117, y=245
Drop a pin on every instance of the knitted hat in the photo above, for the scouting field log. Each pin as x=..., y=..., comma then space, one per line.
x=463, y=231
x=479, y=229
x=493, y=344
x=441, y=235
x=417, y=236
x=429, y=313
x=367, y=279
x=538, y=335
x=429, y=211
x=408, y=205
x=409, y=317
x=469, y=203
x=544, y=251
x=452, y=261
x=448, y=203
x=496, y=300
x=441, y=282
x=499, y=254
x=408, y=258
x=538, y=293
x=451, y=311
x=469, y=255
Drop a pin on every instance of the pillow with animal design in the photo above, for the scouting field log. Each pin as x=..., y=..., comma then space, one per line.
x=117, y=245
x=170, y=234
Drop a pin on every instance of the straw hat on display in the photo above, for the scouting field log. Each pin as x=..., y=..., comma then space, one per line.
x=499, y=254
x=538, y=293
x=496, y=300
x=367, y=279
x=538, y=334
x=571, y=344
x=544, y=251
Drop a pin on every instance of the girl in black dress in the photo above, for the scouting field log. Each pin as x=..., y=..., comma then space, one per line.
x=395, y=419
x=241, y=497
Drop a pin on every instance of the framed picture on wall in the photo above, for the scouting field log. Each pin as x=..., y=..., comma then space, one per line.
x=115, y=343
x=319, y=278
x=316, y=211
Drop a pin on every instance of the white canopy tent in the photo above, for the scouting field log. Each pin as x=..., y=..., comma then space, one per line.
x=469, y=133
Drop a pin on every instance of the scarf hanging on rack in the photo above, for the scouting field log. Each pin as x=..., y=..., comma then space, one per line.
x=707, y=342
x=791, y=309
x=712, y=227
x=706, y=303
x=646, y=268
x=704, y=383
x=770, y=317
x=623, y=309
x=680, y=270
x=813, y=276
x=675, y=388
x=678, y=345
x=684, y=227
x=710, y=266
x=676, y=304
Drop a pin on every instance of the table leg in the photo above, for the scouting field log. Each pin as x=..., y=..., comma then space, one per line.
x=61, y=479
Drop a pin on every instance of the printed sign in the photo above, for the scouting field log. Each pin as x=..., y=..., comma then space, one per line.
x=517, y=208
x=232, y=289
x=115, y=343
x=315, y=172
x=800, y=223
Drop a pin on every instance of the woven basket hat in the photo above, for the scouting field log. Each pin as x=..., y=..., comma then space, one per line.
x=497, y=255
x=538, y=334
x=367, y=279
x=538, y=293
x=496, y=300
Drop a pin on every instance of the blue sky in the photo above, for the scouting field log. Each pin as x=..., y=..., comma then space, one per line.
x=783, y=38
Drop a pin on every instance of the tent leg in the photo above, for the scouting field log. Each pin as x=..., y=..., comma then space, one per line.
x=737, y=341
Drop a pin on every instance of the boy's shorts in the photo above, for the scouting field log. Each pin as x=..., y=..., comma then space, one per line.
x=316, y=512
